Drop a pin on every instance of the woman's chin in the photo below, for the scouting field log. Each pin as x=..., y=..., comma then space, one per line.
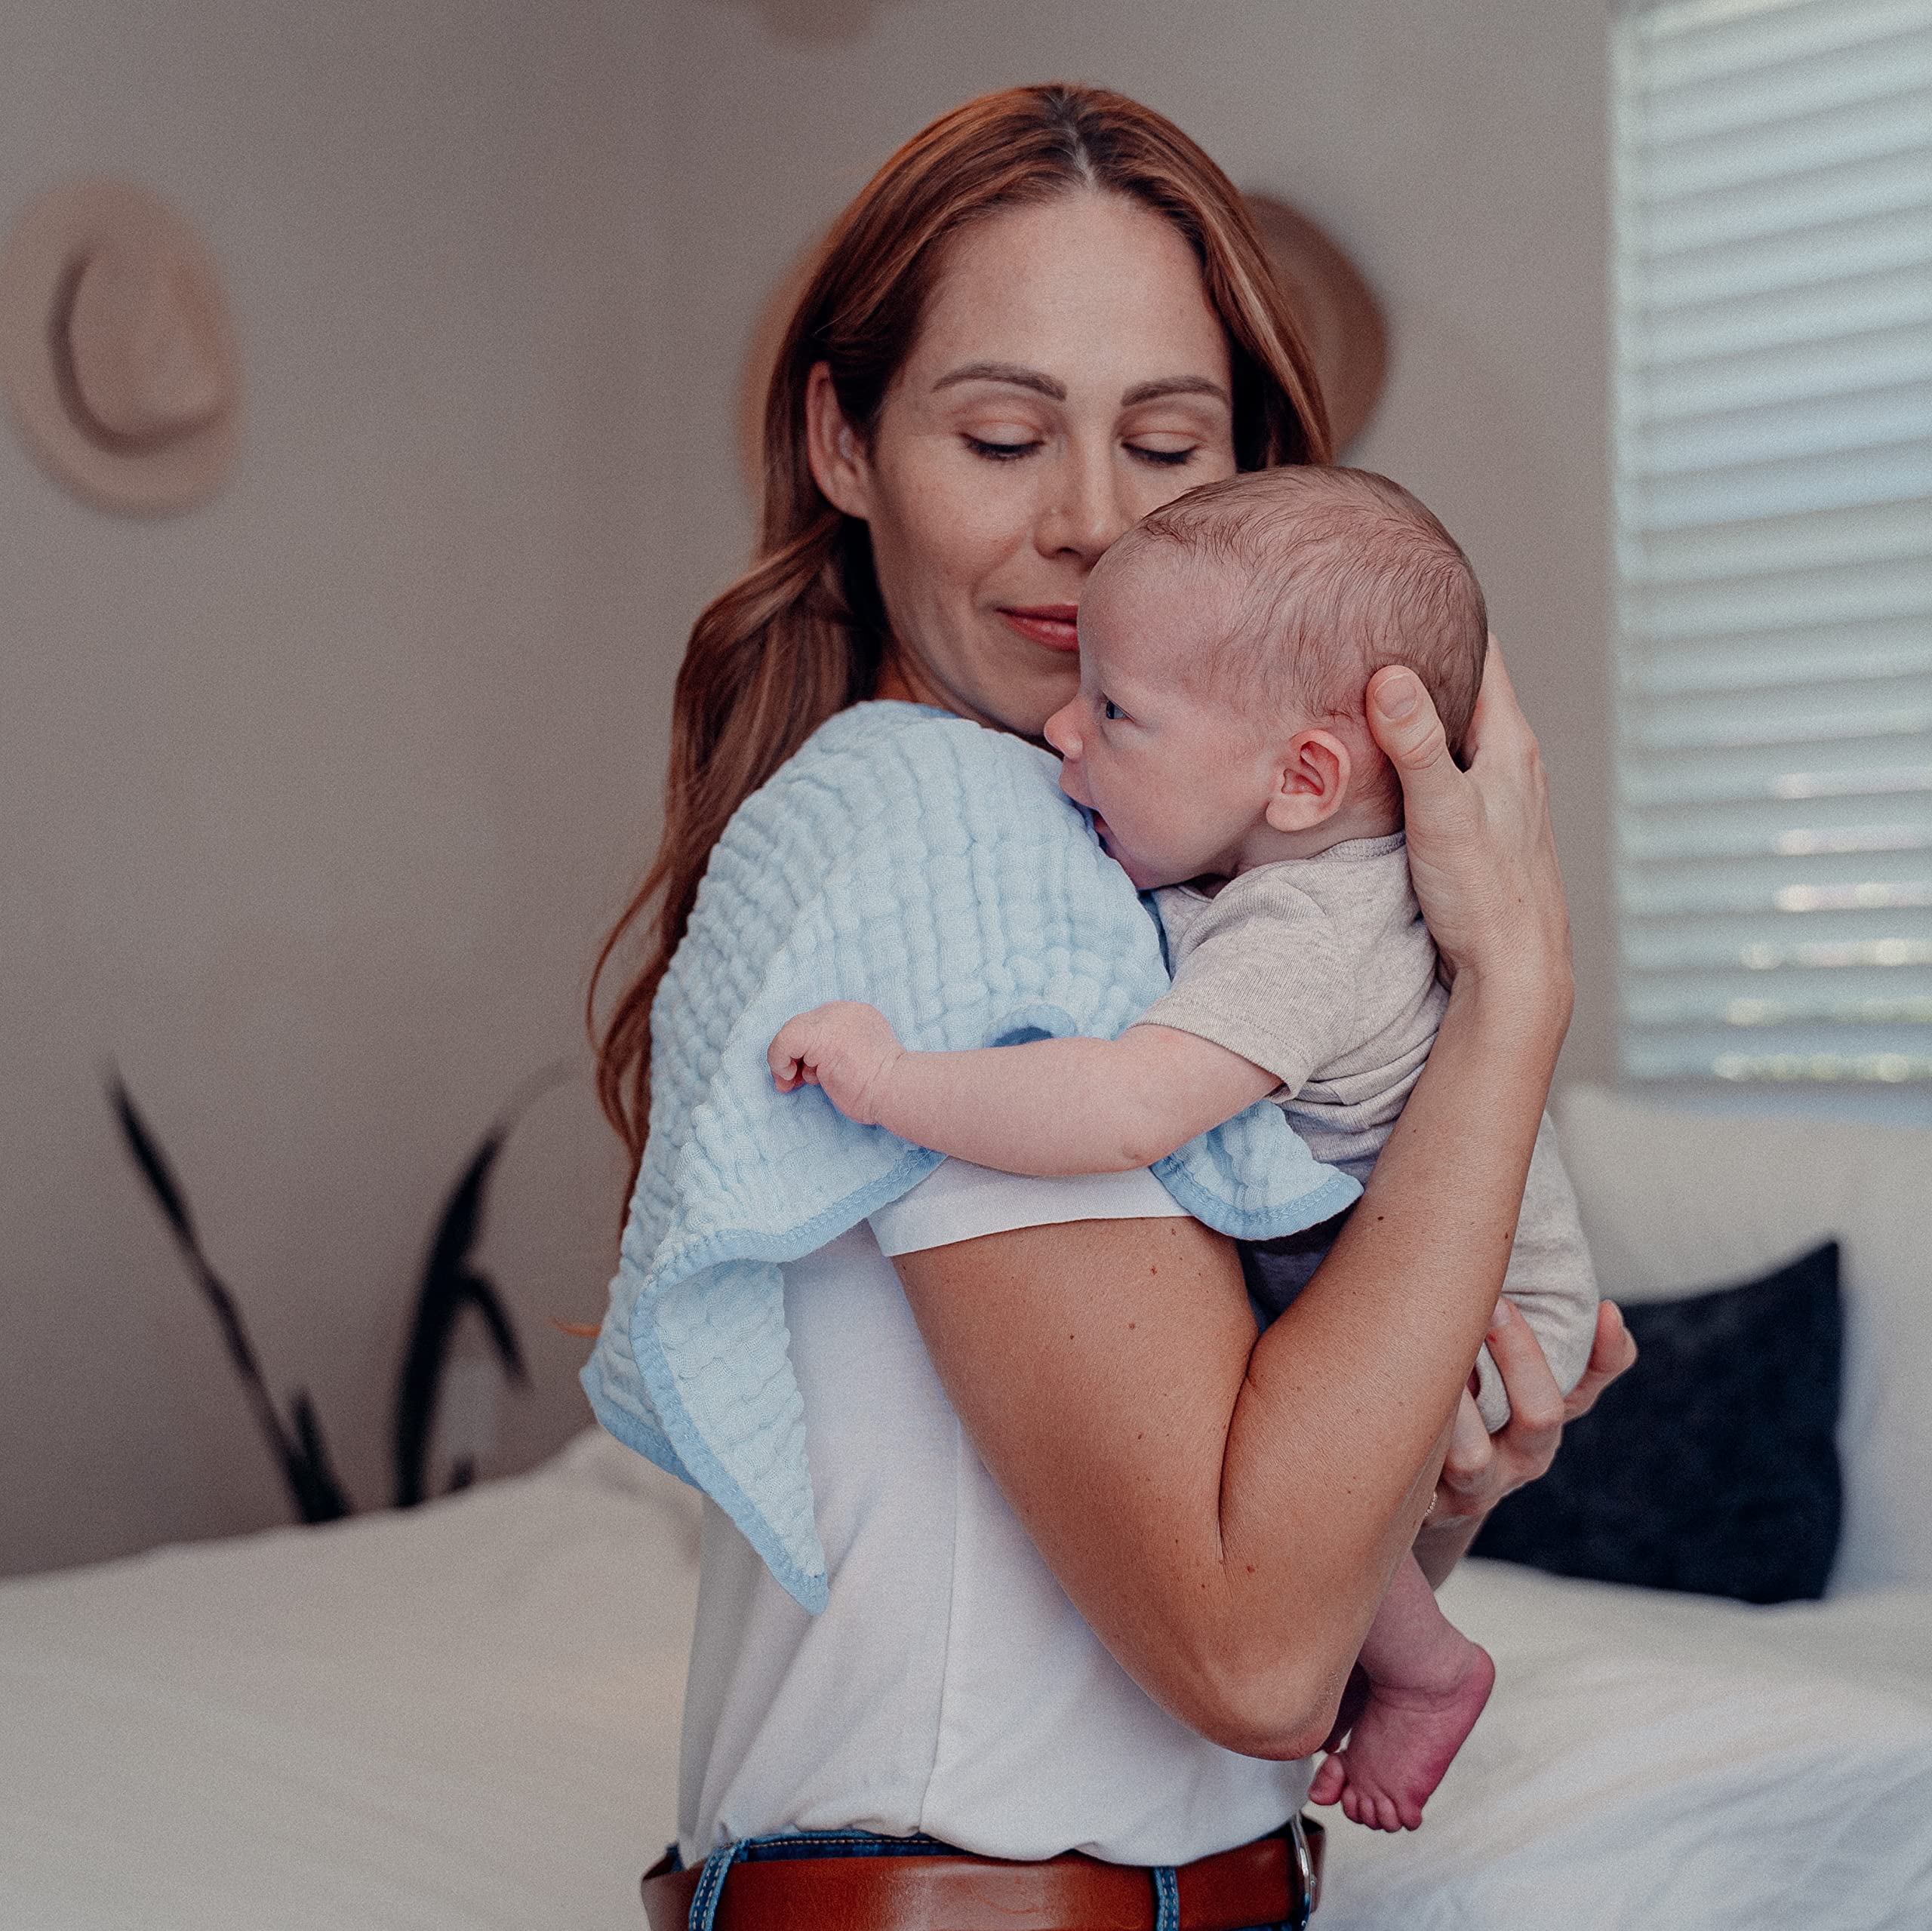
x=1034, y=684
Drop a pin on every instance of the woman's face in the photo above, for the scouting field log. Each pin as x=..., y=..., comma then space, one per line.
x=1069, y=376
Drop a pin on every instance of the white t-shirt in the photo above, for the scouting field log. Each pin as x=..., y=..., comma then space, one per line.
x=949, y=1687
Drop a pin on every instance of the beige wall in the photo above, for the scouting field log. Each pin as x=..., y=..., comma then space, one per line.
x=313, y=802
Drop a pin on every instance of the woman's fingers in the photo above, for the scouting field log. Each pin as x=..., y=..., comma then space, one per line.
x=1464, y=1488
x=1536, y=1402
x=1611, y=1352
x=1480, y=1469
x=1402, y=718
x=1481, y=850
x=1496, y=707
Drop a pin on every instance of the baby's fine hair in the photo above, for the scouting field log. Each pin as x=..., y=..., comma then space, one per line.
x=1341, y=572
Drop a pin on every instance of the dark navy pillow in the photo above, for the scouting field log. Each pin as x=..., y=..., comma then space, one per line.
x=1712, y=1464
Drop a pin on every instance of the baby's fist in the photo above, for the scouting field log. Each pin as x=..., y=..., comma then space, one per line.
x=846, y=1048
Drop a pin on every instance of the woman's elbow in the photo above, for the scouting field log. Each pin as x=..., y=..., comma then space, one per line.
x=1284, y=1743
x=1278, y=1709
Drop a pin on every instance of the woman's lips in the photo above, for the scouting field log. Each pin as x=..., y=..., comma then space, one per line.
x=1051, y=624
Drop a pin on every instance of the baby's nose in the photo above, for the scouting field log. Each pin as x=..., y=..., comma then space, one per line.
x=1059, y=732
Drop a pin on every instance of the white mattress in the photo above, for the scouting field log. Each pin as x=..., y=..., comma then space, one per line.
x=1653, y=1762
x=462, y=1715
x=465, y=1716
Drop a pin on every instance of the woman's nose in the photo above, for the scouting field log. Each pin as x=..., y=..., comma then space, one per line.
x=1085, y=512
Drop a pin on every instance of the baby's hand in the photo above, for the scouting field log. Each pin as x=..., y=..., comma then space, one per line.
x=846, y=1048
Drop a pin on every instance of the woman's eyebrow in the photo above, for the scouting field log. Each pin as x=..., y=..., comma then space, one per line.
x=1012, y=374
x=1153, y=392
x=1017, y=376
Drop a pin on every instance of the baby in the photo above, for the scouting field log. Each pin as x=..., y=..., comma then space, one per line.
x=1219, y=742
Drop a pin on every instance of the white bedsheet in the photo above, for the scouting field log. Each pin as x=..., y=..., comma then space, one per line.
x=1652, y=1761
x=461, y=1716
x=465, y=1717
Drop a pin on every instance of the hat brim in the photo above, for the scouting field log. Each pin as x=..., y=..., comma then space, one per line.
x=1347, y=332
x=54, y=236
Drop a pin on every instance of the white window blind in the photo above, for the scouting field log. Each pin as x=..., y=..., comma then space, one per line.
x=1773, y=447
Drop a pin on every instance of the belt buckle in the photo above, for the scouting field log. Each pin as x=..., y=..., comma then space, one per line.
x=1304, y=1872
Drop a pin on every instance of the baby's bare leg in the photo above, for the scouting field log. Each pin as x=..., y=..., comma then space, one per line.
x=1427, y=1685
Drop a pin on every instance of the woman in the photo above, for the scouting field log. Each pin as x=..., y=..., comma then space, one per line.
x=1100, y=1561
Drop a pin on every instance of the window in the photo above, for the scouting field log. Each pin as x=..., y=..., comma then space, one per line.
x=1772, y=439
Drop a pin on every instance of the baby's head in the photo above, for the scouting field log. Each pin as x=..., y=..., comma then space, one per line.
x=1226, y=642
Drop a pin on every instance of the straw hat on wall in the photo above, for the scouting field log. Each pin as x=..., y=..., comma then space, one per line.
x=1348, y=335
x=116, y=349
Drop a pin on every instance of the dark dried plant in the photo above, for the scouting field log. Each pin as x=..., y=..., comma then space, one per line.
x=451, y=1284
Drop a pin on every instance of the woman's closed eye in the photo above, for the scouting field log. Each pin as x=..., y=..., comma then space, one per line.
x=1002, y=453
x=997, y=450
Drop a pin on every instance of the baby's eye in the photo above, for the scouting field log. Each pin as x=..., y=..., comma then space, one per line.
x=1110, y=710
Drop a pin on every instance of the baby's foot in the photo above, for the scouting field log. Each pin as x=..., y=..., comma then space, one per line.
x=1403, y=1740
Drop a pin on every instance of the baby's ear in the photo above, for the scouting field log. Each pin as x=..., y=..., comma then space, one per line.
x=1310, y=781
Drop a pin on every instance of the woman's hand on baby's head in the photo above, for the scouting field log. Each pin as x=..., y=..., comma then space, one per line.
x=846, y=1048
x=1481, y=850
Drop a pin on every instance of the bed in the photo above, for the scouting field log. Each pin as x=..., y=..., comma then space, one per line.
x=466, y=1715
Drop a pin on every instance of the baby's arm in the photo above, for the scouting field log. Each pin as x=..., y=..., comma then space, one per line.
x=1050, y=1107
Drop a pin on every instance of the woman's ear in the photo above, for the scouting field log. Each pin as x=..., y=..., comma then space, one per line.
x=834, y=449
x=1310, y=781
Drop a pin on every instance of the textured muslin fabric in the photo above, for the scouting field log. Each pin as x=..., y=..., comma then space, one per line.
x=1321, y=971
x=934, y=868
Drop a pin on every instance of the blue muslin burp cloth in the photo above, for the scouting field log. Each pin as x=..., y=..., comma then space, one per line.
x=934, y=868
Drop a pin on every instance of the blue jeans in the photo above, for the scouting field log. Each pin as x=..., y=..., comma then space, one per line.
x=790, y=1845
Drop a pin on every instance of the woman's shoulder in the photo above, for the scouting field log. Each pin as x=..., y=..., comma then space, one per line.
x=888, y=763
x=889, y=732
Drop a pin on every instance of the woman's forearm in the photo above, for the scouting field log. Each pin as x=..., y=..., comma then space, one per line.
x=1395, y=1313
x=1227, y=1513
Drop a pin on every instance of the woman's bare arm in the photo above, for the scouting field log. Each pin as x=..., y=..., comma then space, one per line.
x=1225, y=1512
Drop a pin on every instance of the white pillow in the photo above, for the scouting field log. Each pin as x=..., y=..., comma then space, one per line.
x=1674, y=1199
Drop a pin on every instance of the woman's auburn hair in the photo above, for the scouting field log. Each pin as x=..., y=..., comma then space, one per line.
x=802, y=634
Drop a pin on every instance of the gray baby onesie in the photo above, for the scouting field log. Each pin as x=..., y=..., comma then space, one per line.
x=1321, y=971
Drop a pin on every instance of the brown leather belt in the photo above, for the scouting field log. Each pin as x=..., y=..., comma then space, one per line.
x=1264, y=1883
